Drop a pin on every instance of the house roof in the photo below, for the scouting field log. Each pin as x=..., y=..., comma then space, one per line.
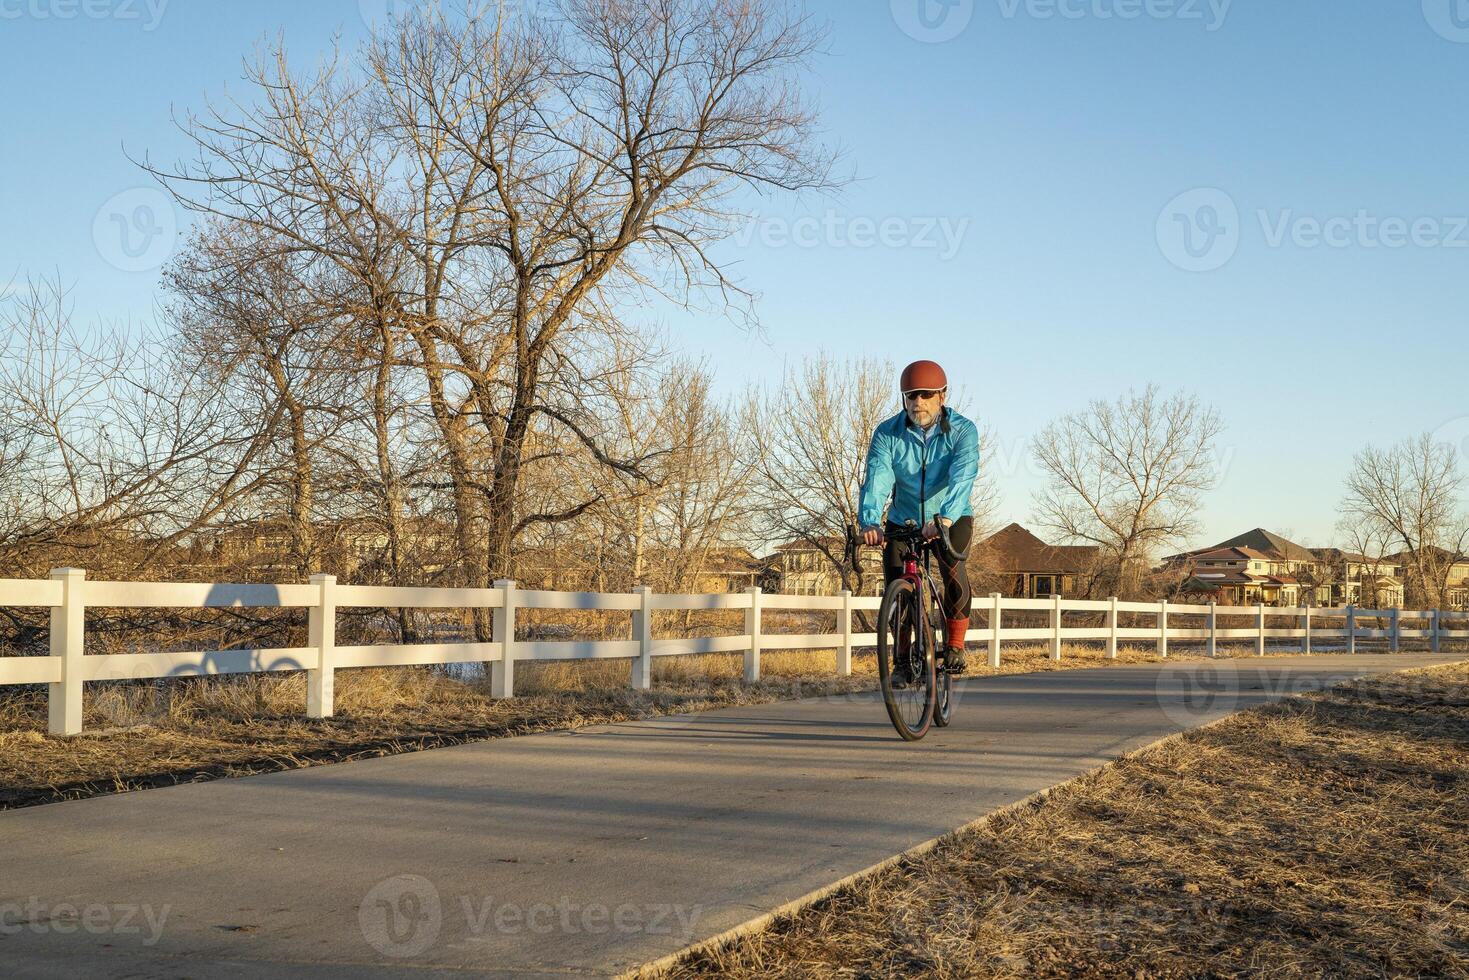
x=810, y=544
x=1439, y=554
x=1015, y=549
x=1235, y=577
x=1268, y=543
x=732, y=561
x=1232, y=553
x=1337, y=554
x=1230, y=577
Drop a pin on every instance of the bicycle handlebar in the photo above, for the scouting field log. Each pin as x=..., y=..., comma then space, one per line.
x=912, y=532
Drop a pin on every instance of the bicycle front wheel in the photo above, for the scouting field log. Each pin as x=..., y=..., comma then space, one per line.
x=905, y=666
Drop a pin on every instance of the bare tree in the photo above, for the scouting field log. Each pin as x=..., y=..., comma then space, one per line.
x=263, y=319
x=808, y=439
x=702, y=506
x=1414, y=491
x=1127, y=476
x=1371, y=539
x=496, y=186
x=112, y=445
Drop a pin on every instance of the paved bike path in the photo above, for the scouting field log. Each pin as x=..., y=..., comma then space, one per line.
x=579, y=853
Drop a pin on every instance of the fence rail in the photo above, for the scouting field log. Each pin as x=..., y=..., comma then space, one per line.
x=68, y=594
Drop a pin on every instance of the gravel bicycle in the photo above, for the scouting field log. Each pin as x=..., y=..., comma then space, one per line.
x=916, y=685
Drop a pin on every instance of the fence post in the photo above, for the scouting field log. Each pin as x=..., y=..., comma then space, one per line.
x=1213, y=630
x=1397, y=629
x=1112, y=629
x=502, y=671
x=994, y=629
x=68, y=631
x=1433, y=637
x=1306, y=643
x=844, y=652
x=1056, y=629
x=752, y=629
x=1163, y=628
x=1260, y=625
x=642, y=629
x=1351, y=628
x=322, y=637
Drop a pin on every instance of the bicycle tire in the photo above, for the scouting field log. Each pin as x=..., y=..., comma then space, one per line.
x=943, y=705
x=910, y=708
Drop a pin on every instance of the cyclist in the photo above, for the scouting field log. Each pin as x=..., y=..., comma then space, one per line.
x=925, y=460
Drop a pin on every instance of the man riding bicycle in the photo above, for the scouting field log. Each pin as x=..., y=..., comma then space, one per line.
x=925, y=460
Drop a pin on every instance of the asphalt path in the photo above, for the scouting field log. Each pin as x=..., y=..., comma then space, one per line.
x=569, y=853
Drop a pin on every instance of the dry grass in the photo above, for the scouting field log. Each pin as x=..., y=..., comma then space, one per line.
x=1326, y=835
x=140, y=735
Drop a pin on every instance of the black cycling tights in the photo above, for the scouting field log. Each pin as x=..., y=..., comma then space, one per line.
x=957, y=599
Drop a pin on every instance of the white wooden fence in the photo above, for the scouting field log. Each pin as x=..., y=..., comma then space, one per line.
x=68, y=593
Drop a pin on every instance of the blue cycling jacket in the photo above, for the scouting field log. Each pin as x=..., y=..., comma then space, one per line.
x=923, y=481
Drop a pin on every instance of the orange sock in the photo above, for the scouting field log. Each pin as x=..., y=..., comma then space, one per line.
x=957, y=629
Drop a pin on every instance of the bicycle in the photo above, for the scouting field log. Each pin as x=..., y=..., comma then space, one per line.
x=916, y=685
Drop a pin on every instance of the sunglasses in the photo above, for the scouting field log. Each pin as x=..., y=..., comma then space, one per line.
x=921, y=395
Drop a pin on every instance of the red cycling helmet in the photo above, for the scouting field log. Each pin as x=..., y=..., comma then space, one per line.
x=923, y=376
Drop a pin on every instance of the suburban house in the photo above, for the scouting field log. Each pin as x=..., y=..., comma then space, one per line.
x=1016, y=563
x=1356, y=580
x=1240, y=577
x=727, y=570
x=1261, y=566
x=1455, y=568
x=353, y=548
x=801, y=567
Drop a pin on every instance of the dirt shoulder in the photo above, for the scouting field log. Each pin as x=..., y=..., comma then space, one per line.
x=1322, y=835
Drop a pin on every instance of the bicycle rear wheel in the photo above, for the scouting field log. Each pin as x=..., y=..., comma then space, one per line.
x=943, y=703
x=905, y=666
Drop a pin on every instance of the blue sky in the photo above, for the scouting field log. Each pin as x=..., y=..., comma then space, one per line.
x=1043, y=169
